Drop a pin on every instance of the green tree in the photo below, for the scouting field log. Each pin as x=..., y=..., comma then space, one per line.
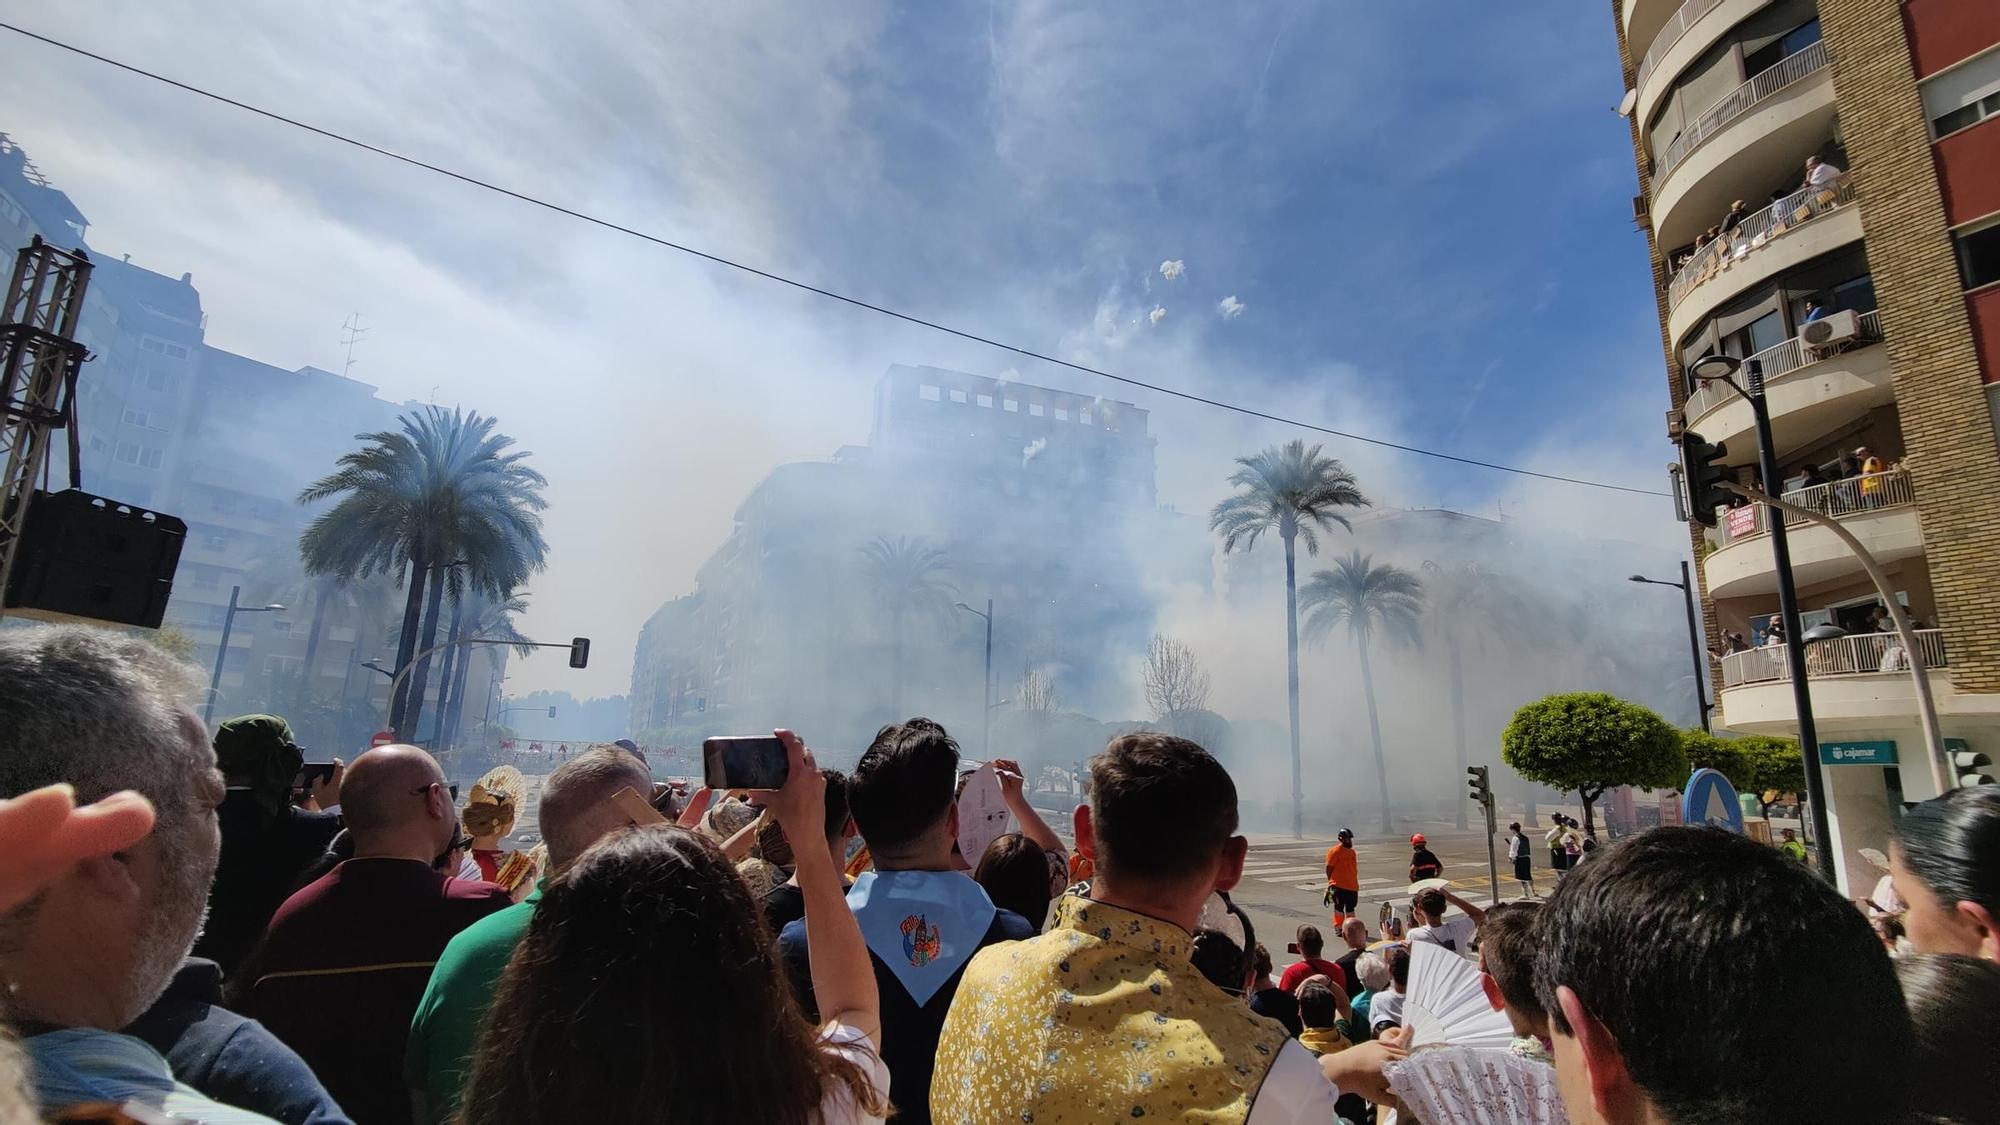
x=1776, y=766
x=1589, y=741
x=1293, y=490
x=1725, y=756
x=1371, y=602
x=440, y=495
x=907, y=577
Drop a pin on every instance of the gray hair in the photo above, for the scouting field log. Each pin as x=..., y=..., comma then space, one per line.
x=587, y=780
x=1373, y=971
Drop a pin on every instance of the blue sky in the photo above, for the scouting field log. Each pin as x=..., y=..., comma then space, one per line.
x=1423, y=211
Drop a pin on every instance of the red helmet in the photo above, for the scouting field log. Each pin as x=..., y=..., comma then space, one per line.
x=1417, y=841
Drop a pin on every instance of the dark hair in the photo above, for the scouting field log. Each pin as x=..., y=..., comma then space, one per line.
x=1431, y=901
x=1310, y=941
x=1952, y=843
x=837, y=812
x=647, y=984
x=1015, y=873
x=1160, y=807
x=1317, y=1007
x=1955, y=1011
x=904, y=784
x=1216, y=956
x=1399, y=965
x=1674, y=939
x=1507, y=954
x=1260, y=960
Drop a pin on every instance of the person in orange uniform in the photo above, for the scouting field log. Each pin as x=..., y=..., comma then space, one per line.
x=1343, y=878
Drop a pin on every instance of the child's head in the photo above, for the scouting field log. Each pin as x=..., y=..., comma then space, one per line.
x=1507, y=965
x=1399, y=966
x=1317, y=1007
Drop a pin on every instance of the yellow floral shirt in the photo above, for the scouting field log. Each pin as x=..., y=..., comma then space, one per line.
x=1100, y=1019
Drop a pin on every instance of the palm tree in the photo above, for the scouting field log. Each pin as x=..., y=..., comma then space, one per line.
x=1371, y=601
x=1467, y=602
x=441, y=494
x=1296, y=492
x=486, y=617
x=905, y=575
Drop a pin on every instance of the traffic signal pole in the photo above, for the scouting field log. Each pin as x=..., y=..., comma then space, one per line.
x=1480, y=778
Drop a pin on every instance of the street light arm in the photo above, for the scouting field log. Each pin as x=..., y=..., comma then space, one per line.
x=1906, y=632
x=396, y=680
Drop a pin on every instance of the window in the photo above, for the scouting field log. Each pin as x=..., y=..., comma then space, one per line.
x=128, y=453
x=163, y=347
x=161, y=380
x=1782, y=48
x=928, y=393
x=134, y=418
x=1062, y=413
x=1011, y=406
x=1083, y=415
x=151, y=458
x=957, y=396
x=1857, y=295
x=986, y=401
x=1964, y=95
x=1979, y=256
x=1034, y=410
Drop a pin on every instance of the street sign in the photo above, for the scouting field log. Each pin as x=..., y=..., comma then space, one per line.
x=381, y=738
x=1869, y=753
x=1708, y=798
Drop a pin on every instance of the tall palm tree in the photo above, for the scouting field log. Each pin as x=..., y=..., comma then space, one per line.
x=440, y=494
x=1294, y=491
x=1371, y=602
x=1468, y=603
x=906, y=575
x=488, y=617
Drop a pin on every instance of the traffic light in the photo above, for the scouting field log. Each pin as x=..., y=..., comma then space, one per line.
x=1969, y=768
x=1479, y=777
x=579, y=648
x=552, y=712
x=1703, y=475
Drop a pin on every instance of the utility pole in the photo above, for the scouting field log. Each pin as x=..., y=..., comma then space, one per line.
x=1480, y=778
x=350, y=334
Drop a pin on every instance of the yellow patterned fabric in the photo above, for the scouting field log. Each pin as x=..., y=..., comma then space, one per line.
x=1100, y=1019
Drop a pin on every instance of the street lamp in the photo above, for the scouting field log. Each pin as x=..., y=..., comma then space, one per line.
x=1694, y=639
x=986, y=685
x=1723, y=369
x=222, y=650
x=374, y=667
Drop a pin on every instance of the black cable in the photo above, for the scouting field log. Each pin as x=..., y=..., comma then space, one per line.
x=857, y=302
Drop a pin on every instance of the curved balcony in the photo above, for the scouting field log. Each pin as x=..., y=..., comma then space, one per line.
x=1861, y=681
x=1687, y=33
x=1744, y=99
x=1767, y=143
x=1809, y=390
x=1857, y=654
x=1643, y=20
x=1878, y=509
x=1782, y=236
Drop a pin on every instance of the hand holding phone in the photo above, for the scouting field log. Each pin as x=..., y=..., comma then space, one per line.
x=800, y=803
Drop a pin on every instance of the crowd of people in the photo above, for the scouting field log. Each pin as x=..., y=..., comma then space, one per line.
x=717, y=960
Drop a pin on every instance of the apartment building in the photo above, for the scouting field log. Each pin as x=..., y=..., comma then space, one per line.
x=1820, y=189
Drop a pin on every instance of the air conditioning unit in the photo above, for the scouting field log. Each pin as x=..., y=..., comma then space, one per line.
x=1831, y=329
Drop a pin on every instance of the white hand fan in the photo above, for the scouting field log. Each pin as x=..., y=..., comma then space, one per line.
x=1455, y=1085
x=1445, y=1004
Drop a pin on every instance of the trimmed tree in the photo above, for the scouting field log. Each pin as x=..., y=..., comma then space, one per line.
x=1776, y=766
x=1725, y=756
x=1589, y=741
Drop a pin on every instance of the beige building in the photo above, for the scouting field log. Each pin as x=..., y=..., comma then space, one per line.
x=1820, y=188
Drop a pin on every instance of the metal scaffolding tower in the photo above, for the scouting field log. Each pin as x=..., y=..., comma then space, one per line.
x=39, y=362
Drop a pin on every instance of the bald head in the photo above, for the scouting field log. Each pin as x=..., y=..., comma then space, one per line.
x=1355, y=933
x=576, y=809
x=394, y=801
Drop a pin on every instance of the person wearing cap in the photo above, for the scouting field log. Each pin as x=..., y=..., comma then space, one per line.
x=1423, y=863
x=267, y=842
x=1343, y=878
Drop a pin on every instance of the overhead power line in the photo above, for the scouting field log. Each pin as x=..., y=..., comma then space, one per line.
x=908, y=318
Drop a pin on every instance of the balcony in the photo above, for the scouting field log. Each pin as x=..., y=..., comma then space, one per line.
x=1782, y=236
x=1878, y=509
x=1685, y=36
x=1810, y=390
x=1737, y=103
x=1858, y=654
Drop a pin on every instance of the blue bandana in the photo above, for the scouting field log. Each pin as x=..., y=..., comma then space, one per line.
x=924, y=925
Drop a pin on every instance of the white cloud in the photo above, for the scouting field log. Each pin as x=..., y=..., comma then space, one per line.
x=1172, y=268
x=1229, y=307
x=1029, y=451
x=1158, y=314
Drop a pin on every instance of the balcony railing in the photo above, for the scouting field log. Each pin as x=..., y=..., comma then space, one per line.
x=1838, y=498
x=1754, y=233
x=1783, y=359
x=1854, y=655
x=1737, y=102
x=1677, y=26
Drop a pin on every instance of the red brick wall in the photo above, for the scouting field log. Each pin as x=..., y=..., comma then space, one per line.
x=1969, y=170
x=1985, y=309
x=1943, y=32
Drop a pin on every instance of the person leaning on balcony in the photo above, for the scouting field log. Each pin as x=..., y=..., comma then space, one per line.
x=1737, y=212
x=1820, y=173
x=1872, y=468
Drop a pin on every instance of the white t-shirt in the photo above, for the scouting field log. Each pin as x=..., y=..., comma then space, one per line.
x=1387, y=1007
x=1823, y=174
x=1453, y=933
x=849, y=1042
x=1295, y=1090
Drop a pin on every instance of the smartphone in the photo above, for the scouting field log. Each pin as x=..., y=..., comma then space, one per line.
x=744, y=762
x=314, y=771
x=1291, y=947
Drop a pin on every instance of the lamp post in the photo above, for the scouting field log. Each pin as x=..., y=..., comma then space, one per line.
x=1723, y=369
x=222, y=649
x=1686, y=586
x=986, y=685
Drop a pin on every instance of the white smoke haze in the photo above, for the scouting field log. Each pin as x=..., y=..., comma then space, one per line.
x=1229, y=307
x=1158, y=314
x=1172, y=269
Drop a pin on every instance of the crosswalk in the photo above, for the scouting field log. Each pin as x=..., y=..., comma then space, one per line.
x=1304, y=869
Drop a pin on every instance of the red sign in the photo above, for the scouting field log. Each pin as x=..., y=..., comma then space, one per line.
x=1742, y=521
x=381, y=738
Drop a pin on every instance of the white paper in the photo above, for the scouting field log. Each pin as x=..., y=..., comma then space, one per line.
x=982, y=814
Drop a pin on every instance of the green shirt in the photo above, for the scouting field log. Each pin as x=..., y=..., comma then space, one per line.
x=446, y=1027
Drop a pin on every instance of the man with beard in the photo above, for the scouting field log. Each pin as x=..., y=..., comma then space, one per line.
x=104, y=713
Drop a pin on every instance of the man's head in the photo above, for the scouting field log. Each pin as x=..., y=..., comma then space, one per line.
x=257, y=752
x=1399, y=967
x=1507, y=965
x=395, y=803
x=1813, y=162
x=1310, y=942
x=632, y=748
x=902, y=790
x=1417, y=842
x=1317, y=1007
x=1355, y=933
x=1789, y=835
x=1514, y=827
x=1657, y=961
x=1161, y=817
x=1346, y=836
x=104, y=712
x=1432, y=905
x=576, y=809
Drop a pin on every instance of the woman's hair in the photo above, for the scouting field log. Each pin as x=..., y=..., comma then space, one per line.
x=1015, y=873
x=648, y=988
x=1954, y=1007
x=1952, y=843
x=1216, y=955
x=1261, y=960
x=1373, y=971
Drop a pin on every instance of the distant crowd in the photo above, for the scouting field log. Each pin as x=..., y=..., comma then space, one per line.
x=193, y=929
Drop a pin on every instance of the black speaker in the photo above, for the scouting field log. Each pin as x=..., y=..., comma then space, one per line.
x=85, y=556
